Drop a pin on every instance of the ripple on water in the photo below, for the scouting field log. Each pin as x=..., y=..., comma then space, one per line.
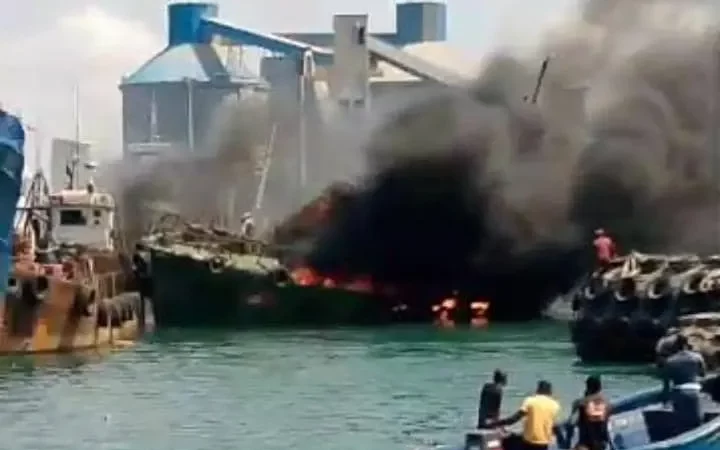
x=337, y=389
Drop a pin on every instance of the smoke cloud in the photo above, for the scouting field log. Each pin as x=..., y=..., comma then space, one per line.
x=482, y=191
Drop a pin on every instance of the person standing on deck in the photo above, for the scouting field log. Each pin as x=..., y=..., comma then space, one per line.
x=605, y=249
x=683, y=371
x=491, y=399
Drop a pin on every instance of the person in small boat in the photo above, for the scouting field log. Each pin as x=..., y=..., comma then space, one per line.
x=540, y=412
x=681, y=374
x=590, y=413
x=491, y=399
x=605, y=249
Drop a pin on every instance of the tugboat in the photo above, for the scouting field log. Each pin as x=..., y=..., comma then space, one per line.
x=623, y=310
x=69, y=288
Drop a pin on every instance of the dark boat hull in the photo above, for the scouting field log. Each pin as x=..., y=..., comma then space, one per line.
x=622, y=311
x=188, y=293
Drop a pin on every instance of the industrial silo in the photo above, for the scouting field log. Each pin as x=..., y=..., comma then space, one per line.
x=169, y=101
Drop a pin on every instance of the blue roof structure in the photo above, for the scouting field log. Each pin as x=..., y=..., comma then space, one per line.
x=191, y=27
x=197, y=62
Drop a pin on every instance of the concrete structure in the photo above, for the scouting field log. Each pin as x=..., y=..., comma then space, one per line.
x=414, y=22
x=168, y=101
x=62, y=152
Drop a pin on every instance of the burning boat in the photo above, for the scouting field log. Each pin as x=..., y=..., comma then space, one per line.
x=69, y=288
x=623, y=310
x=207, y=276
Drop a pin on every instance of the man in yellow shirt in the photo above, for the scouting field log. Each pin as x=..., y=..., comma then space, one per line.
x=540, y=412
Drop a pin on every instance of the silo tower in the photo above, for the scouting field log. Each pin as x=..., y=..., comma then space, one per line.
x=170, y=100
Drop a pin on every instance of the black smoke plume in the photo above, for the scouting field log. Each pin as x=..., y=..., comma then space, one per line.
x=481, y=191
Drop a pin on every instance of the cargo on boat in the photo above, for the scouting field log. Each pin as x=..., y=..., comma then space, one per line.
x=70, y=287
x=623, y=310
x=208, y=276
x=205, y=276
x=702, y=332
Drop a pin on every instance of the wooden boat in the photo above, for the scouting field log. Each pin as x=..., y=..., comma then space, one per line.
x=69, y=288
x=639, y=422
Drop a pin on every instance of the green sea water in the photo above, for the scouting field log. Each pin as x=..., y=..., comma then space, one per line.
x=379, y=389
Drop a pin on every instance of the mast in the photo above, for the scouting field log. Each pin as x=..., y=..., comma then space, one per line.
x=75, y=159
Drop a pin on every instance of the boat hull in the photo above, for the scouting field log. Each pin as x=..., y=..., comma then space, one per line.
x=187, y=292
x=87, y=303
x=11, y=167
x=622, y=311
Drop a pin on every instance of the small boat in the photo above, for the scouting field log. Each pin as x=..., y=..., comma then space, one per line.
x=639, y=422
x=70, y=287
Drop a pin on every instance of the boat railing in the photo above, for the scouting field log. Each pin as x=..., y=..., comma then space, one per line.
x=110, y=284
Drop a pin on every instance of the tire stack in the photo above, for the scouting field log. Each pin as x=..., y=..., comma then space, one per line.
x=703, y=334
x=622, y=311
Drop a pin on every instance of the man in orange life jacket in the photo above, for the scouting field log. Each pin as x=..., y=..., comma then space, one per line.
x=605, y=249
x=540, y=412
x=592, y=411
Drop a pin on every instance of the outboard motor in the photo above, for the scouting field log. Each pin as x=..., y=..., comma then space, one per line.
x=487, y=440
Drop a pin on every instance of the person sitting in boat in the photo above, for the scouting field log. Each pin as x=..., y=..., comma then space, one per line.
x=681, y=374
x=591, y=413
x=605, y=249
x=540, y=412
x=491, y=399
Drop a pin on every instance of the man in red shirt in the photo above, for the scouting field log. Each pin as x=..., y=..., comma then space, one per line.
x=605, y=249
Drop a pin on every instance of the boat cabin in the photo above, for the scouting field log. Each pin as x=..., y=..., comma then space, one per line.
x=83, y=216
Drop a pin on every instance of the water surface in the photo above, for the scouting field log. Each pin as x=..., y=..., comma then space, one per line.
x=403, y=388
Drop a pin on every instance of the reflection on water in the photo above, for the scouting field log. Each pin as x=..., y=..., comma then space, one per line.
x=400, y=388
x=15, y=366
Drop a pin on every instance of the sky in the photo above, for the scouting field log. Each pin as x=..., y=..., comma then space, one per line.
x=48, y=47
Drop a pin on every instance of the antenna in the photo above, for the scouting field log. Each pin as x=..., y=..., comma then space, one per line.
x=540, y=78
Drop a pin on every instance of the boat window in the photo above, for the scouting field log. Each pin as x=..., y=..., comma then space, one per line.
x=72, y=217
x=97, y=213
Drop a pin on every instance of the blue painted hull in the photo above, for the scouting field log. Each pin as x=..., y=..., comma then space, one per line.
x=12, y=162
x=630, y=430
